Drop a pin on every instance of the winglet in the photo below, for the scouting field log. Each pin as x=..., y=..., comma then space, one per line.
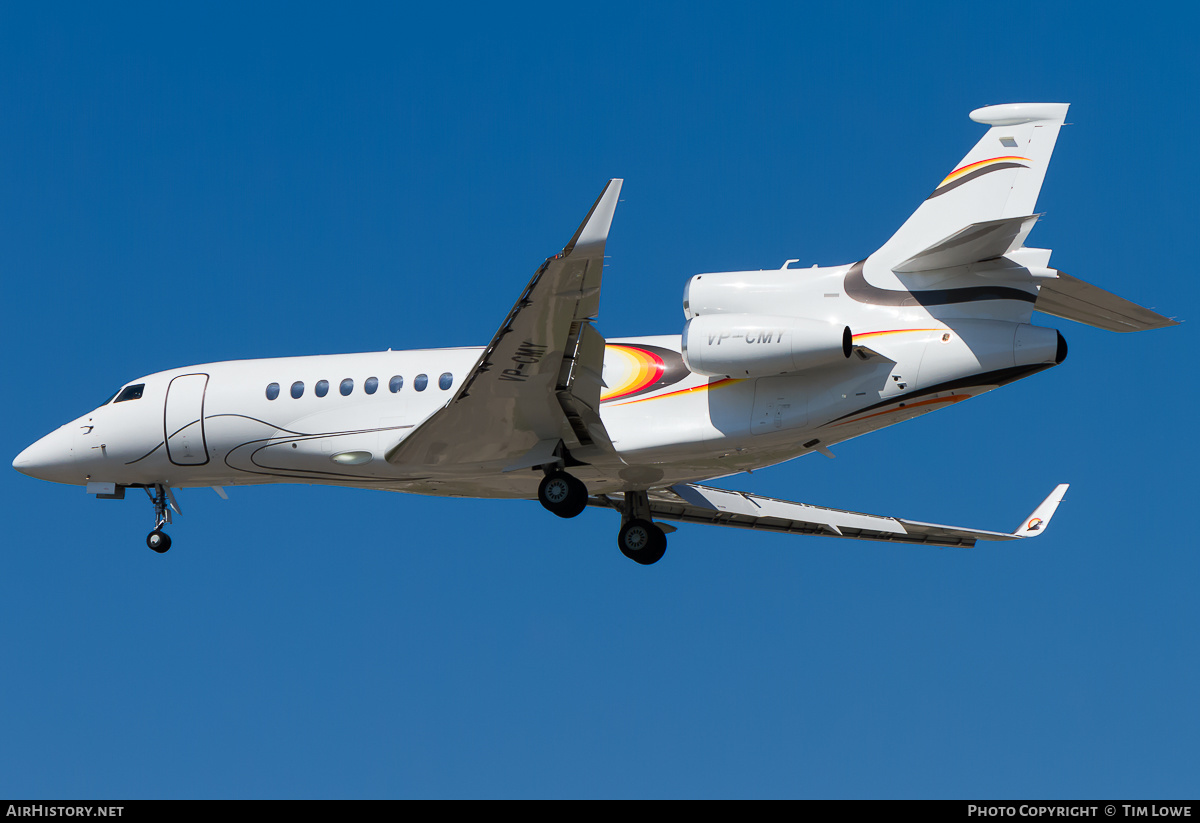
x=1037, y=522
x=593, y=231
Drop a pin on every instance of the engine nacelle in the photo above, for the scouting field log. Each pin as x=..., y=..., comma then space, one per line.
x=755, y=345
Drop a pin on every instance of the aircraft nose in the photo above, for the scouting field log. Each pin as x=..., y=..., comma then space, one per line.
x=50, y=458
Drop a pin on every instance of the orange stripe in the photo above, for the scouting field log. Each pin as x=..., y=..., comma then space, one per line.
x=727, y=381
x=954, y=398
x=967, y=169
x=892, y=331
x=648, y=369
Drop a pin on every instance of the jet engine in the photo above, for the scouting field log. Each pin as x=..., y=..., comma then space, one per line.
x=754, y=345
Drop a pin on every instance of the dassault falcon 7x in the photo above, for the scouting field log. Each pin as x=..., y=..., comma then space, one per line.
x=770, y=365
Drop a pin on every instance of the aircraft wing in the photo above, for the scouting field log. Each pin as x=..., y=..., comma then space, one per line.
x=718, y=507
x=538, y=381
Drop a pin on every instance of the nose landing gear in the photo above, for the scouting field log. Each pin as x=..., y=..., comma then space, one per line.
x=158, y=540
x=164, y=502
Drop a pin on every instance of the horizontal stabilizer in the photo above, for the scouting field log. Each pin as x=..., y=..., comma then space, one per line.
x=1072, y=299
x=719, y=507
x=979, y=241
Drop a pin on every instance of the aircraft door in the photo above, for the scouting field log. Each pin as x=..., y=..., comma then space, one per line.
x=183, y=420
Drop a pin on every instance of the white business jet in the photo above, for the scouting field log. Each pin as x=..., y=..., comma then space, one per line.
x=771, y=365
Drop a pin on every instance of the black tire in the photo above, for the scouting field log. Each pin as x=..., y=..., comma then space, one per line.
x=642, y=542
x=158, y=540
x=562, y=494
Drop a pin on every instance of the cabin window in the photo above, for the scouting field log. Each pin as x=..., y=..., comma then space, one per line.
x=346, y=387
x=298, y=389
x=396, y=384
x=445, y=381
x=370, y=385
x=130, y=393
x=272, y=391
x=322, y=388
x=420, y=382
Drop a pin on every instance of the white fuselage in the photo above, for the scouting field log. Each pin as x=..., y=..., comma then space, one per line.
x=317, y=420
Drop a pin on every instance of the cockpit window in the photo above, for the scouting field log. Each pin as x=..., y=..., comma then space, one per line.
x=133, y=392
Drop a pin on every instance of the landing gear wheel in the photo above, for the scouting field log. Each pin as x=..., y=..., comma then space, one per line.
x=642, y=542
x=158, y=494
x=158, y=540
x=562, y=494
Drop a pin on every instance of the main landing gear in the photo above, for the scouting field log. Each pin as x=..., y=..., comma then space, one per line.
x=562, y=494
x=163, y=502
x=639, y=538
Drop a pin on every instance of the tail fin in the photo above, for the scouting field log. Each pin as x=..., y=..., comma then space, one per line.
x=998, y=180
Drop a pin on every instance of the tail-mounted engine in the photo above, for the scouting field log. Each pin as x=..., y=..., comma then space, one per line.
x=753, y=345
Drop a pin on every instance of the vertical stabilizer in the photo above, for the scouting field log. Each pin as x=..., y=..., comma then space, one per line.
x=999, y=179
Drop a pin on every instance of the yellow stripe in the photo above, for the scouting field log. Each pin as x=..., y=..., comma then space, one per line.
x=887, y=332
x=728, y=381
x=973, y=166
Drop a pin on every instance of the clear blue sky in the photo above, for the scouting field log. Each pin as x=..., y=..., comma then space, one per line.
x=184, y=184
